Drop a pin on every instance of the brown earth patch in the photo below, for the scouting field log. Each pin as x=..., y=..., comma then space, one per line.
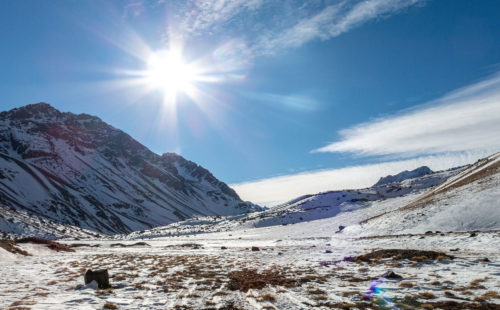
x=246, y=279
x=396, y=254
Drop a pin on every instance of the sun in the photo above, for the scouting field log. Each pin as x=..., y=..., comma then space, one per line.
x=168, y=72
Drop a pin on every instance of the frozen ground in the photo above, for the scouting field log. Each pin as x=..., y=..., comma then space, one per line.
x=211, y=263
x=195, y=272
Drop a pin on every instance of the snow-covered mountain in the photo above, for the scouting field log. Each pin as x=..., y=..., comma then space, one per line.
x=331, y=203
x=78, y=170
x=419, y=172
x=343, y=208
x=470, y=200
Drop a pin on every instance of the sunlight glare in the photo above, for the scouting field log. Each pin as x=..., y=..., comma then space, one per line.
x=168, y=72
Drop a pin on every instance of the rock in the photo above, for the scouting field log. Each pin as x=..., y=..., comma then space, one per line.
x=473, y=234
x=421, y=237
x=121, y=245
x=328, y=251
x=428, y=232
x=454, y=250
x=140, y=244
x=255, y=248
x=77, y=245
x=340, y=229
x=484, y=260
x=392, y=275
x=100, y=276
x=223, y=248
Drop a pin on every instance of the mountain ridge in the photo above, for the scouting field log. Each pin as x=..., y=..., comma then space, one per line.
x=404, y=175
x=79, y=170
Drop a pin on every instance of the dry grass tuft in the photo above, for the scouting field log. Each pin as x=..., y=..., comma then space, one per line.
x=476, y=284
x=104, y=292
x=406, y=284
x=220, y=293
x=267, y=297
x=427, y=295
x=110, y=305
x=10, y=247
x=56, y=246
x=397, y=254
x=246, y=279
x=351, y=293
x=490, y=295
x=316, y=291
x=320, y=298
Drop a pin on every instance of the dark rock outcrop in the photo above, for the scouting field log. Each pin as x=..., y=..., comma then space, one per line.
x=100, y=276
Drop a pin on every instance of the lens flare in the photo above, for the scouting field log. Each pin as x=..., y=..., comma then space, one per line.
x=377, y=294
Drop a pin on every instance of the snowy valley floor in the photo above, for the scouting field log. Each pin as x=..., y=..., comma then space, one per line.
x=293, y=269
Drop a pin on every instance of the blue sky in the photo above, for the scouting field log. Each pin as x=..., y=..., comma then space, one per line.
x=294, y=92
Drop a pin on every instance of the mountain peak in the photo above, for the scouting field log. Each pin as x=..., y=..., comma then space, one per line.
x=77, y=169
x=419, y=172
x=39, y=106
x=35, y=110
x=42, y=111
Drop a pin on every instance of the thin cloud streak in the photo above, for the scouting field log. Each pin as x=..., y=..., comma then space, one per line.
x=273, y=191
x=212, y=15
x=294, y=23
x=330, y=22
x=464, y=120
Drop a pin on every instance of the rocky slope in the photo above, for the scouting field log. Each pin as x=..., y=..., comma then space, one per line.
x=78, y=170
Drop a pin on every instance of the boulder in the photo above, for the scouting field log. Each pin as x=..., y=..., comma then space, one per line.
x=100, y=276
x=392, y=275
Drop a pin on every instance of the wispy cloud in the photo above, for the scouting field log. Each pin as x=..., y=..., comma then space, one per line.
x=273, y=191
x=329, y=22
x=466, y=119
x=451, y=131
x=209, y=16
x=266, y=27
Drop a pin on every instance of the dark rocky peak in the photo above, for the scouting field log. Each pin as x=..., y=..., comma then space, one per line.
x=36, y=110
x=45, y=112
x=405, y=175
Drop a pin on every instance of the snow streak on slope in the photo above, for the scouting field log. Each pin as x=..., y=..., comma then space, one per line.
x=78, y=170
